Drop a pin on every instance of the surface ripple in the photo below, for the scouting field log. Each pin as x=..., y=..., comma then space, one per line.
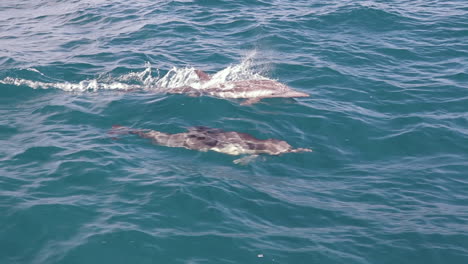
x=387, y=120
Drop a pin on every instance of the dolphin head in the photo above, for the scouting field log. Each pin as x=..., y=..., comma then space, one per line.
x=276, y=147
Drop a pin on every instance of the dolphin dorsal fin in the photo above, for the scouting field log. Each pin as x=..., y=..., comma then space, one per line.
x=203, y=75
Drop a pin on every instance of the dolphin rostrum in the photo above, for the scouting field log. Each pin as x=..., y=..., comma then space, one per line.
x=251, y=90
x=204, y=139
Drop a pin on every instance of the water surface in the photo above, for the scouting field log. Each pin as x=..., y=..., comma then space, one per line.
x=387, y=120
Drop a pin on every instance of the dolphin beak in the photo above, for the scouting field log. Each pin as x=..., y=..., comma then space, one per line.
x=300, y=150
x=296, y=94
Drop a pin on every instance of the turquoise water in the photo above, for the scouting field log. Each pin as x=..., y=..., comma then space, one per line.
x=387, y=120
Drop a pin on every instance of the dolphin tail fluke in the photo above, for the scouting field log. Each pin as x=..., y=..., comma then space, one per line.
x=123, y=130
x=117, y=130
x=300, y=150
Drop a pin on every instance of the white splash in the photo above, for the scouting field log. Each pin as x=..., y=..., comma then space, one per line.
x=243, y=71
x=146, y=80
x=179, y=77
x=89, y=85
x=144, y=77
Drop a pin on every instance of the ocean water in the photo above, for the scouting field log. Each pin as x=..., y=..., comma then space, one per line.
x=387, y=119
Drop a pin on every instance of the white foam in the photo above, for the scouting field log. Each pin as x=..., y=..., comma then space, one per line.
x=91, y=85
x=239, y=72
x=35, y=70
x=145, y=80
x=179, y=77
x=144, y=77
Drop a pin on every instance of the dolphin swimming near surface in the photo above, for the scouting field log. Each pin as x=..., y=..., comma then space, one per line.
x=204, y=139
x=251, y=90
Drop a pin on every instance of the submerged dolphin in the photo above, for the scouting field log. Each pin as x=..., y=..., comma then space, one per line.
x=205, y=139
x=252, y=90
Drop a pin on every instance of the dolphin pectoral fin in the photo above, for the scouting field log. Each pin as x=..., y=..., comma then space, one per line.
x=251, y=101
x=245, y=160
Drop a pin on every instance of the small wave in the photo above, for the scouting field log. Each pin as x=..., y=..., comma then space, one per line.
x=35, y=70
x=146, y=80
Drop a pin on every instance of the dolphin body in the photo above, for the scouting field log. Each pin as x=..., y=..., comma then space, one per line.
x=251, y=90
x=204, y=139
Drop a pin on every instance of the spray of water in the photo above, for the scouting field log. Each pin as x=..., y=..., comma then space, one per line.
x=146, y=80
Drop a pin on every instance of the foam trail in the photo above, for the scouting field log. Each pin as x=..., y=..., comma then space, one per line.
x=91, y=85
x=144, y=80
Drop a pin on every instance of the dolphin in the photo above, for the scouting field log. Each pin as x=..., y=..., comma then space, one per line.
x=212, y=139
x=251, y=90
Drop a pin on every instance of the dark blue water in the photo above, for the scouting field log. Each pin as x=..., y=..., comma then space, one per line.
x=387, y=120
